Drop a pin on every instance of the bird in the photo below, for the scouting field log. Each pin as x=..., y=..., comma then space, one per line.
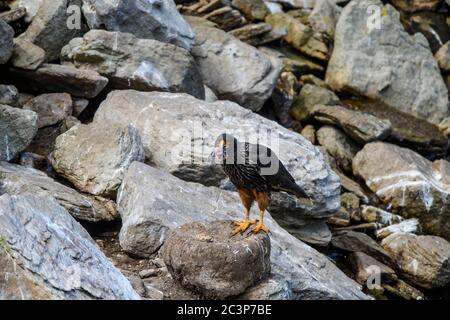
x=255, y=171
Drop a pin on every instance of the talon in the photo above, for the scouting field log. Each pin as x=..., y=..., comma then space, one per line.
x=242, y=226
x=260, y=226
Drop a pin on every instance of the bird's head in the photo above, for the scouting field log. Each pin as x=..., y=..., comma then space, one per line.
x=223, y=143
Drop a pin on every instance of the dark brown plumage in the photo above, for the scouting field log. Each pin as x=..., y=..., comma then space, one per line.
x=255, y=170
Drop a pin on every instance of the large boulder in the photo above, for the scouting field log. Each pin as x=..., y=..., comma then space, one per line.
x=179, y=131
x=51, y=108
x=46, y=254
x=95, y=158
x=422, y=260
x=229, y=265
x=17, y=129
x=132, y=63
x=233, y=69
x=6, y=42
x=152, y=203
x=17, y=180
x=403, y=72
x=50, y=28
x=157, y=20
x=413, y=186
x=57, y=78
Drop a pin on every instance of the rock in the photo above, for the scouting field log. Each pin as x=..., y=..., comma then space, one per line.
x=254, y=34
x=27, y=55
x=273, y=7
x=44, y=141
x=226, y=18
x=51, y=108
x=57, y=78
x=360, y=126
x=6, y=42
x=367, y=269
x=350, y=201
x=413, y=186
x=94, y=158
x=406, y=226
x=13, y=15
x=352, y=186
x=404, y=73
x=313, y=232
x=9, y=95
x=353, y=241
x=286, y=89
x=141, y=64
x=46, y=254
x=210, y=96
x=50, y=29
x=404, y=290
x=70, y=122
x=416, y=5
x=234, y=70
x=309, y=97
x=309, y=132
x=150, y=207
x=269, y=289
x=17, y=129
x=312, y=79
x=148, y=273
x=443, y=57
x=32, y=160
x=79, y=105
x=23, y=99
x=305, y=4
x=164, y=118
x=161, y=20
x=17, y=180
x=31, y=7
x=374, y=214
x=338, y=145
x=252, y=9
x=229, y=265
x=324, y=17
x=422, y=260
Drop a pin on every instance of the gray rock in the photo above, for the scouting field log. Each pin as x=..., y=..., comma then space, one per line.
x=132, y=63
x=27, y=55
x=406, y=226
x=443, y=57
x=404, y=73
x=360, y=126
x=6, y=42
x=50, y=29
x=46, y=254
x=17, y=129
x=175, y=140
x=18, y=180
x=23, y=99
x=152, y=203
x=413, y=186
x=313, y=232
x=235, y=70
x=94, y=158
x=229, y=265
x=271, y=289
x=31, y=6
x=367, y=269
x=57, y=78
x=13, y=15
x=324, y=17
x=32, y=160
x=422, y=260
x=338, y=145
x=210, y=96
x=161, y=20
x=298, y=4
x=79, y=105
x=51, y=108
x=9, y=95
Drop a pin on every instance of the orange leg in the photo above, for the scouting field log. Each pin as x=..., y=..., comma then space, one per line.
x=263, y=200
x=247, y=200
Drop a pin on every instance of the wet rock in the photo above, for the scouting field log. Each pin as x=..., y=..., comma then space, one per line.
x=229, y=265
x=360, y=126
x=17, y=129
x=406, y=226
x=27, y=55
x=252, y=9
x=9, y=95
x=338, y=145
x=94, y=158
x=353, y=241
x=374, y=214
x=163, y=118
x=6, y=42
x=416, y=5
x=161, y=20
x=51, y=108
x=150, y=207
x=46, y=254
x=413, y=186
x=141, y=64
x=309, y=132
x=367, y=269
x=17, y=180
x=50, y=29
x=309, y=97
x=422, y=260
x=234, y=70
x=404, y=73
x=57, y=78
x=443, y=57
